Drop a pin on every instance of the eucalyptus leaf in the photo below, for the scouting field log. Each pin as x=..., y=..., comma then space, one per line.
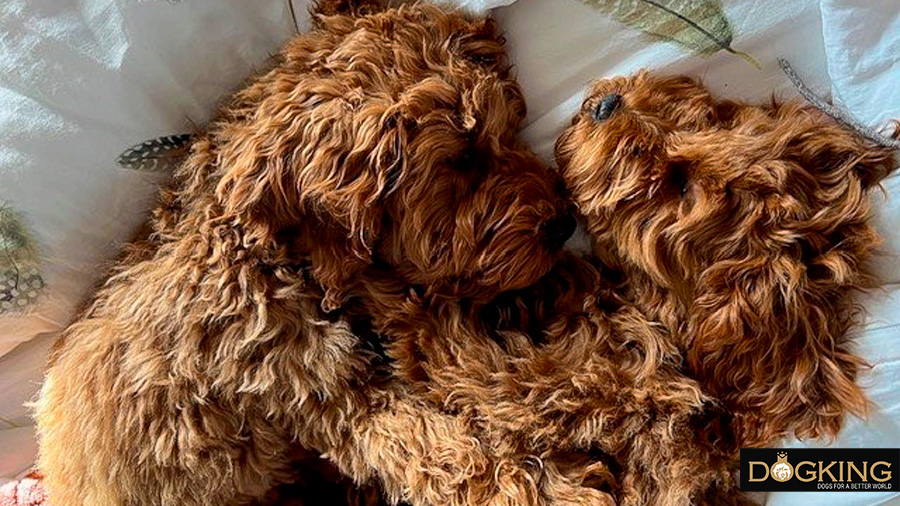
x=698, y=25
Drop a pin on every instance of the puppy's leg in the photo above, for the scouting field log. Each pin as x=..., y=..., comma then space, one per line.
x=420, y=456
x=619, y=393
x=430, y=458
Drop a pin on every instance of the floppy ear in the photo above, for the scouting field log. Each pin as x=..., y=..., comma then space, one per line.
x=829, y=150
x=771, y=331
x=773, y=343
x=297, y=170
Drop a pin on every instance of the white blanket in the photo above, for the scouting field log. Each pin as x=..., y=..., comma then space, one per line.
x=81, y=80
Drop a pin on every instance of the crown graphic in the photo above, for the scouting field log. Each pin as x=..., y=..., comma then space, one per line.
x=782, y=456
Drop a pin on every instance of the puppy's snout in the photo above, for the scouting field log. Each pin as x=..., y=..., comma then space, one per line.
x=559, y=229
x=607, y=106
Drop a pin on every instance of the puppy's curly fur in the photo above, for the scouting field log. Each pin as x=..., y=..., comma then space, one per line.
x=218, y=354
x=743, y=229
x=576, y=396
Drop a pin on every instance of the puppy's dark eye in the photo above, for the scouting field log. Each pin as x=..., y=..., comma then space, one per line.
x=607, y=106
x=466, y=160
x=678, y=178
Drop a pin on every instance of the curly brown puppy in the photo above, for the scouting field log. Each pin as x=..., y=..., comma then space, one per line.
x=743, y=229
x=218, y=352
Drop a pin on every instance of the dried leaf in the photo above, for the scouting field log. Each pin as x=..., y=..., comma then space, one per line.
x=157, y=155
x=699, y=25
x=17, y=246
x=20, y=281
x=840, y=115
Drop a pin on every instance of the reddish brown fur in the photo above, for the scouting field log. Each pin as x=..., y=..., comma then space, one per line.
x=591, y=408
x=744, y=230
x=208, y=363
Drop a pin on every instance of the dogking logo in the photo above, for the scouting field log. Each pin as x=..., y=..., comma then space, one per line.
x=782, y=471
x=829, y=469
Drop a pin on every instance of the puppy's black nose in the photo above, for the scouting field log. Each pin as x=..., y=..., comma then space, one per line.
x=559, y=229
x=607, y=106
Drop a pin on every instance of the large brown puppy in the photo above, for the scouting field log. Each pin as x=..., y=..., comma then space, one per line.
x=219, y=348
x=744, y=230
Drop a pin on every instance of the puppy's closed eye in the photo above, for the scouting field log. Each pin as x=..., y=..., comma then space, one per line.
x=483, y=59
x=467, y=160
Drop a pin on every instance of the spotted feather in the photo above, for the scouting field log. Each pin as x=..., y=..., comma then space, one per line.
x=157, y=155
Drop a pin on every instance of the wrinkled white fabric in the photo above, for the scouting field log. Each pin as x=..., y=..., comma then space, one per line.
x=862, y=39
x=482, y=6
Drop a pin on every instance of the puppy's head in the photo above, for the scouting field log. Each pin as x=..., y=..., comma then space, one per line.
x=753, y=219
x=390, y=138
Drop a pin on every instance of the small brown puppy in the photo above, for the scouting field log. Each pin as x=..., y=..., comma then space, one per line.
x=744, y=230
x=218, y=353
